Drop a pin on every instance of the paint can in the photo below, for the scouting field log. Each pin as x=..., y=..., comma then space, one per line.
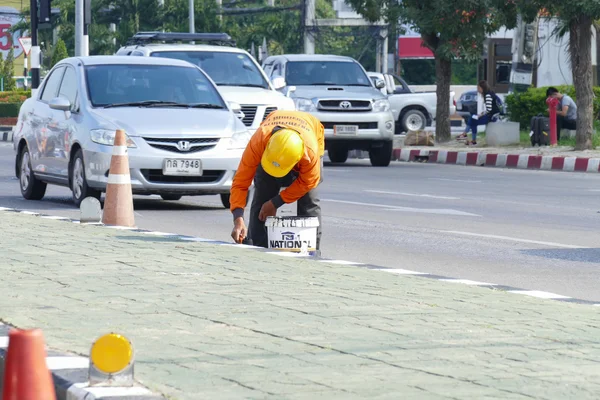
x=292, y=234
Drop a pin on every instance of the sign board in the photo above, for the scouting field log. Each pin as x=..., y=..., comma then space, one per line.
x=25, y=44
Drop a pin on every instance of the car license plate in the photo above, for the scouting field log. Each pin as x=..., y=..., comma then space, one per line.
x=182, y=167
x=345, y=129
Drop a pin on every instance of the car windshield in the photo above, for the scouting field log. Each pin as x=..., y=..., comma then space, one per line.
x=339, y=73
x=224, y=68
x=123, y=84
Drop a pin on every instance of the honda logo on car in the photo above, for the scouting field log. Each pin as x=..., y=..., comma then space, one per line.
x=289, y=240
x=183, y=145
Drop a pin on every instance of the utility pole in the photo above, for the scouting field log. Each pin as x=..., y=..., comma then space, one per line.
x=79, y=14
x=191, y=12
x=308, y=23
x=35, y=49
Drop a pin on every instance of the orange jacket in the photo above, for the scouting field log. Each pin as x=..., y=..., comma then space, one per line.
x=312, y=132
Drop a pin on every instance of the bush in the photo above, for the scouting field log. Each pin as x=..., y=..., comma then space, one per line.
x=523, y=106
x=9, y=109
x=16, y=96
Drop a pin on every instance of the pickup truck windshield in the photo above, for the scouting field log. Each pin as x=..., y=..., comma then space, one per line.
x=156, y=85
x=225, y=68
x=325, y=73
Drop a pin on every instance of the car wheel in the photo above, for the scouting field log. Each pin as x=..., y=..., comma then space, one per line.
x=337, y=154
x=79, y=185
x=170, y=197
x=31, y=187
x=413, y=120
x=225, y=200
x=381, y=156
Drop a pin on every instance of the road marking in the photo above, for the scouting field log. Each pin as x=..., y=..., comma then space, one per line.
x=414, y=194
x=286, y=254
x=468, y=282
x=6, y=209
x=553, y=244
x=400, y=271
x=340, y=262
x=160, y=233
x=3, y=342
x=337, y=170
x=56, y=363
x=407, y=209
x=100, y=392
x=539, y=294
x=453, y=180
x=54, y=217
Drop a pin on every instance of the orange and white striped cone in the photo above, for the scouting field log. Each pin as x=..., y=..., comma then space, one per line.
x=118, y=203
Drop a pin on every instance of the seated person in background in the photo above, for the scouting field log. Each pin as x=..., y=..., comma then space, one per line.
x=490, y=113
x=566, y=116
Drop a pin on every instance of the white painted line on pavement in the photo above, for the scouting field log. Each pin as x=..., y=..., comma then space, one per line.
x=6, y=209
x=539, y=294
x=160, y=234
x=406, y=209
x=122, y=228
x=99, y=391
x=453, y=180
x=553, y=244
x=196, y=239
x=30, y=213
x=286, y=254
x=241, y=246
x=56, y=363
x=337, y=170
x=3, y=342
x=593, y=165
x=413, y=194
x=53, y=217
x=468, y=282
x=400, y=271
x=569, y=164
x=340, y=262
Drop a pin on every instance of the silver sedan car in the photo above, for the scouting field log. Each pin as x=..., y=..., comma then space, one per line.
x=183, y=138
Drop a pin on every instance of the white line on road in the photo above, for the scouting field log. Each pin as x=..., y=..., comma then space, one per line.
x=539, y=294
x=468, y=282
x=401, y=271
x=336, y=170
x=414, y=195
x=407, y=209
x=453, y=180
x=553, y=244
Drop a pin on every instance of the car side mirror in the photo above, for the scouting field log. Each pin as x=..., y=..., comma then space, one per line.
x=60, y=103
x=237, y=109
x=379, y=84
x=290, y=90
x=278, y=82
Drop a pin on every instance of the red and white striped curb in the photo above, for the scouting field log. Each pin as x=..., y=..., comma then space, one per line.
x=521, y=161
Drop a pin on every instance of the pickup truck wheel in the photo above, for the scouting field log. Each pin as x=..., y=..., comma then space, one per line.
x=382, y=156
x=338, y=154
x=413, y=120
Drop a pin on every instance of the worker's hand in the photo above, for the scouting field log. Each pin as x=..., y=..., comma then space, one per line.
x=267, y=210
x=239, y=230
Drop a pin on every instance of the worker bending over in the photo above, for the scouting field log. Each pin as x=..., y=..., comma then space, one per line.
x=285, y=151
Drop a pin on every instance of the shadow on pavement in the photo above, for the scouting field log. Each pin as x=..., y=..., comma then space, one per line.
x=582, y=255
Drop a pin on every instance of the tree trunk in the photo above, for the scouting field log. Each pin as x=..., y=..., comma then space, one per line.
x=443, y=75
x=580, y=49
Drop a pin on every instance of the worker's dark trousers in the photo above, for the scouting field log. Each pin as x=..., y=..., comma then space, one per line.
x=265, y=188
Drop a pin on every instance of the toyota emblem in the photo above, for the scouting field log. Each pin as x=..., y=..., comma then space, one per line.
x=345, y=104
x=183, y=145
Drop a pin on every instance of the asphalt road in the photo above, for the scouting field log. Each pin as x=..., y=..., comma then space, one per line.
x=529, y=229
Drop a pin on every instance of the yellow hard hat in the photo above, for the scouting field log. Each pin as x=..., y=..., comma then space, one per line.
x=284, y=150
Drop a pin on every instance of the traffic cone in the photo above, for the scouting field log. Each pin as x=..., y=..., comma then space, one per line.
x=118, y=204
x=26, y=375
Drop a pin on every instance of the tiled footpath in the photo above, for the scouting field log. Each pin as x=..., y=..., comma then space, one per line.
x=213, y=321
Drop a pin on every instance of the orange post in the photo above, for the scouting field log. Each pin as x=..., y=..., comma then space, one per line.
x=118, y=203
x=552, y=103
x=26, y=375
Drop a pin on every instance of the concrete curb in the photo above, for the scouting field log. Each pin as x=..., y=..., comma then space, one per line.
x=396, y=271
x=476, y=158
x=6, y=133
x=70, y=373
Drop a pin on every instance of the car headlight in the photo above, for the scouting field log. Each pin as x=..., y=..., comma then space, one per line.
x=305, y=105
x=107, y=137
x=381, y=105
x=239, y=140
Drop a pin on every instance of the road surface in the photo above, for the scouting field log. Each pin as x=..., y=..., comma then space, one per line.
x=528, y=229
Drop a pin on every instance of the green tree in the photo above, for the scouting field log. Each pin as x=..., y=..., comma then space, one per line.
x=451, y=29
x=577, y=18
x=7, y=71
x=59, y=52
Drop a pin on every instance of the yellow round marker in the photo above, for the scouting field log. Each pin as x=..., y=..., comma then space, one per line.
x=111, y=353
